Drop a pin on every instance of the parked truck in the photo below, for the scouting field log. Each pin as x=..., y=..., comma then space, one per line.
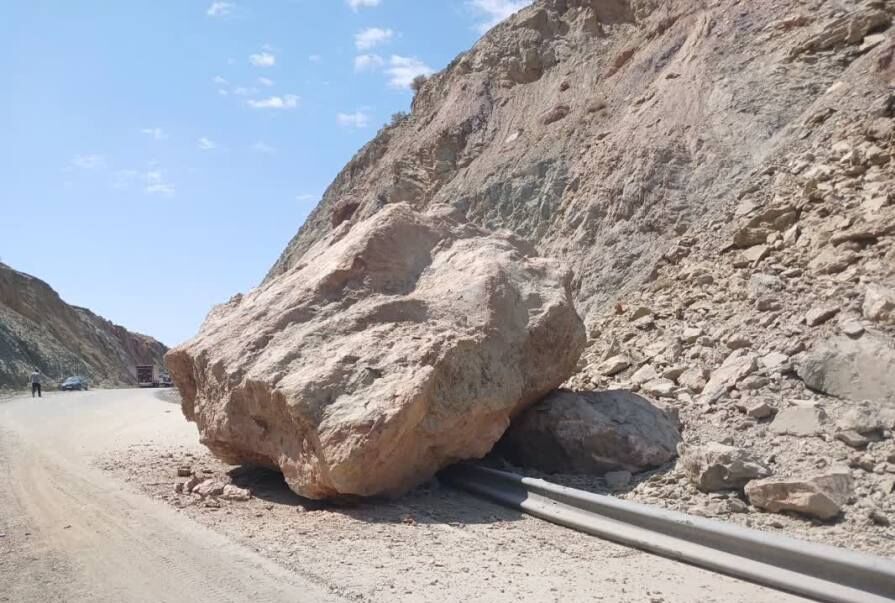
x=147, y=375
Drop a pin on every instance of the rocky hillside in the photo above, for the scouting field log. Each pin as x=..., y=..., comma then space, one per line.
x=38, y=329
x=719, y=177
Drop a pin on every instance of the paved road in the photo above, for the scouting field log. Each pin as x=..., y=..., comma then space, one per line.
x=71, y=534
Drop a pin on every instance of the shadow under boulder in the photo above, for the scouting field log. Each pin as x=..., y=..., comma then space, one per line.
x=591, y=433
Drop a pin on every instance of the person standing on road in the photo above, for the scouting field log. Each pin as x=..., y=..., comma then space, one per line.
x=35, y=384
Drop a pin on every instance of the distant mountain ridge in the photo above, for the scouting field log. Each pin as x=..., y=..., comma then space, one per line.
x=39, y=329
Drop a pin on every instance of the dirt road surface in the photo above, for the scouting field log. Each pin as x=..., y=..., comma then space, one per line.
x=71, y=531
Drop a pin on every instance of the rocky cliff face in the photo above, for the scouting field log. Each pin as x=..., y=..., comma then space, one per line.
x=38, y=329
x=719, y=177
x=603, y=130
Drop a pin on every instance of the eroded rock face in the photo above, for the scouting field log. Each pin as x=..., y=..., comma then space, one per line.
x=592, y=433
x=397, y=346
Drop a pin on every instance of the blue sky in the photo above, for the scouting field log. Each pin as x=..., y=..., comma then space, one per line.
x=157, y=156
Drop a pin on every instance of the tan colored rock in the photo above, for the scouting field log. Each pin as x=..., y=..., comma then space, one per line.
x=209, y=487
x=615, y=365
x=592, y=433
x=879, y=304
x=713, y=466
x=694, y=379
x=658, y=387
x=822, y=495
x=235, y=493
x=820, y=314
x=399, y=345
x=644, y=374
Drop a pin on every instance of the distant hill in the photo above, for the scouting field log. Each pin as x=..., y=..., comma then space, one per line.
x=38, y=329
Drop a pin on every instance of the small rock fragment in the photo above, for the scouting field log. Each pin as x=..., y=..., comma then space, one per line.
x=761, y=410
x=801, y=421
x=852, y=438
x=235, y=493
x=851, y=327
x=879, y=518
x=615, y=365
x=820, y=315
x=713, y=466
x=725, y=377
x=210, y=487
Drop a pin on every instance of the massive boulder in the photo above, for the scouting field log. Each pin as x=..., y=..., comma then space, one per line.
x=397, y=346
x=591, y=433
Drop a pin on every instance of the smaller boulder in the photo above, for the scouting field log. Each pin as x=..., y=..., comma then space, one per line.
x=821, y=495
x=713, y=466
x=591, y=433
x=855, y=369
x=210, y=487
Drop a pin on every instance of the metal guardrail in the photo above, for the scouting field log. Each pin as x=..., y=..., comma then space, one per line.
x=821, y=572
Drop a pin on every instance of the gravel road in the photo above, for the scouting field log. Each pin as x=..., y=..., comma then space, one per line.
x=88, y=513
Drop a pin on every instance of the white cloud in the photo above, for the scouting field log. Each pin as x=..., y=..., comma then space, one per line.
x=155, y=183
x=206, y=144
x=372, y=37
x=368, y=62
x=155, y=133
x=358, y=119
x=305, y=197
x=243, y=91
x=288, y=101
x=263, y=59
x=264, y=81
x=263, y=148
x=220, y=9
x=358, y=4
x=494, y=11
x=89, y=162
x=315, y=58
x=402, y=70
x=219, y=81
